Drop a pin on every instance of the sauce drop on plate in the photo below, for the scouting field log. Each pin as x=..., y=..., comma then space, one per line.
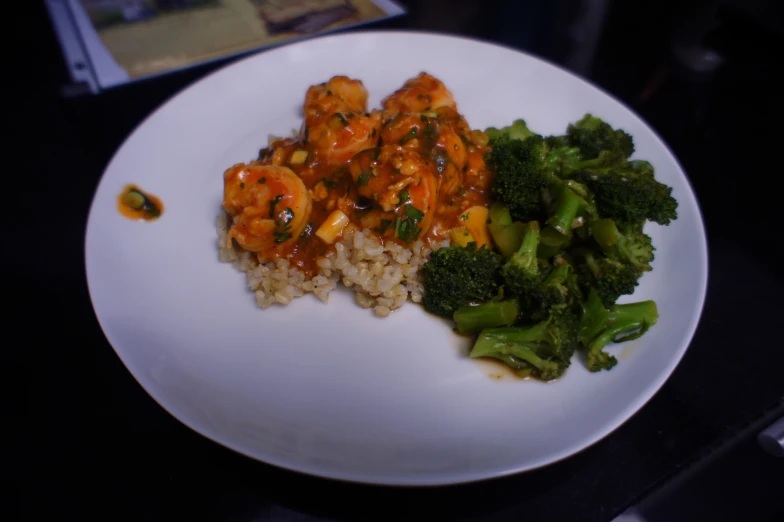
x=133, y=203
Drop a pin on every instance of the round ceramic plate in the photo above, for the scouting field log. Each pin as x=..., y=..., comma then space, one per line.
x=330, y=389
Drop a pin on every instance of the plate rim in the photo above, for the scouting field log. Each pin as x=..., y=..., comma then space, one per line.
x=621, y=416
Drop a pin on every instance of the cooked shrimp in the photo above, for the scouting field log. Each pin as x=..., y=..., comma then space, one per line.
x=339, y=94
x=269, y=206
x=421, y=93
x=434, y=140
x=338, y=137
x=397, y=179
x=451, y=117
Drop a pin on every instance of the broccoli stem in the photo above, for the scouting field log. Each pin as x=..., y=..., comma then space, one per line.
x=520, y=367
x=600, y=326
x=627, y=318
x=593, y=266
x=506, y=234
x=518, y=342
x=568, y=204
x=526, y=255
x=472, y=319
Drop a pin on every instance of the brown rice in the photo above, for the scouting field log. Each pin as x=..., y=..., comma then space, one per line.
x=382, y=276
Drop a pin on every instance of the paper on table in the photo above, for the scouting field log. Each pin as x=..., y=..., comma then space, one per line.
x=111, y=42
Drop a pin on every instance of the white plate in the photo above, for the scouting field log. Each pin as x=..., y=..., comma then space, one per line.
x=332, y=390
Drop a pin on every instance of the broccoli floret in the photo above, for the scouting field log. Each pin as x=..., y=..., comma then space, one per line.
x=543, y=350
x=521, y=173
x=524, y=273
x=592, y=136
x=606, y=160
x=608, y=277
x=599, y=326
x=456, y=276
x=641, y=168
x=628, y=193
x=631, y=246
x=518, y=130
x=560, y=287
x=472, y=319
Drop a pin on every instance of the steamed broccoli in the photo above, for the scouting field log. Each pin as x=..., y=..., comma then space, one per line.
x=608, y=277
x=599, y=326
x=472, y=319
x=628, y=193
x=606, y=160
x=543, y=350
x=592, y=203
x=592, y=136
x=456, y=276
x=518, y=130
x=524, y=273
x=559, y=288
x=630, y=246
x=521, y=174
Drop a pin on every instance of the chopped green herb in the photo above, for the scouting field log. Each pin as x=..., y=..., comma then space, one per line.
x=329, y=93
x=373, y=134
x=423, y=118
x=282, y=230
x=464, y=217
x=282, y=236
x=461, y=191
x=242, y=185
x=410, y=136
x=274, y=203
x=414, y=213
x=404, y=196
x=363, y=179
x=262, y=181
x=406, y=227
x=375, y=153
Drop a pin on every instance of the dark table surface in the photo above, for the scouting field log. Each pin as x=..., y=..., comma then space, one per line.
x=88, y=442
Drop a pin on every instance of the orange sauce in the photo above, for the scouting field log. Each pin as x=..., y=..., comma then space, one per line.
x=339, y=190
x=144, y=213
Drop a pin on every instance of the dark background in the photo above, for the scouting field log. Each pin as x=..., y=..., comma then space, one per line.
x=86, y=441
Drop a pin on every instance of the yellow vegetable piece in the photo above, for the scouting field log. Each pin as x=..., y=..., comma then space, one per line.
x=298, y=157
x=461, y=236
x=332, y=227
x=475, y=219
